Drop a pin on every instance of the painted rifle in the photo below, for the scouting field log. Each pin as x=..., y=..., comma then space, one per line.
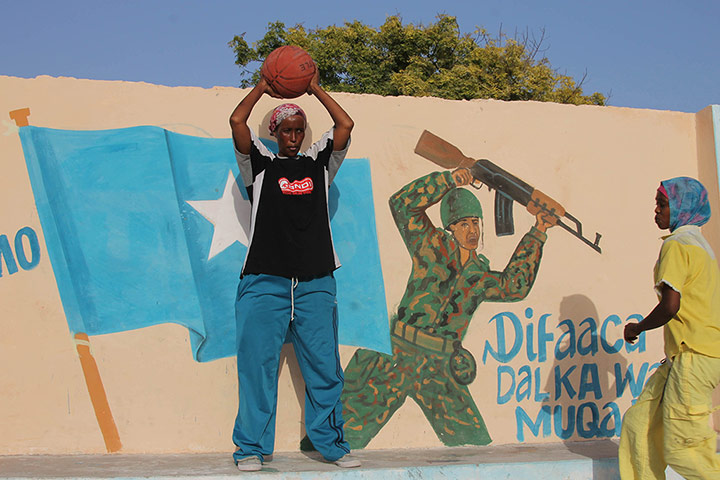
x=508, y=188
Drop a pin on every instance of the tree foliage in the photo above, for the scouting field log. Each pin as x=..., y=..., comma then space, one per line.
x=434, y=60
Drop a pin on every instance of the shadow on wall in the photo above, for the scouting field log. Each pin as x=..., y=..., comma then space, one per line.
x=598, y=384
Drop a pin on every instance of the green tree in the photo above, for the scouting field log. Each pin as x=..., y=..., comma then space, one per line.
x=434, y=60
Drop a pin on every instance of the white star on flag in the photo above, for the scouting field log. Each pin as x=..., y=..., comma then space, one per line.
x=229, y=214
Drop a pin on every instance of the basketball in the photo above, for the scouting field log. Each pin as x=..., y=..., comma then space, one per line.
x=288, y=70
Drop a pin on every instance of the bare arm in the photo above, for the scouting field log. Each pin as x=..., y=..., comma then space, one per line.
x=664, y=312
x=343, y=123
x=238, y=119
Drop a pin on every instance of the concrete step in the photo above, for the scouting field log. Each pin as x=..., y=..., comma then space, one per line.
x=596, y=460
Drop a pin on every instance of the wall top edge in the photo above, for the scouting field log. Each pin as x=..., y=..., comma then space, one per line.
x=436, y=99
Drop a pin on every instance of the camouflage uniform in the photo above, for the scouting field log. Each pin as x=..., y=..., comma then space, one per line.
x=432, y=319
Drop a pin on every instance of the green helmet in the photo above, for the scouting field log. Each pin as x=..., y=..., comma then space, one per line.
x=459, y=203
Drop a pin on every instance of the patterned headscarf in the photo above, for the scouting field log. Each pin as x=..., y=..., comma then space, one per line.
x=688, y=201
x=282, y=112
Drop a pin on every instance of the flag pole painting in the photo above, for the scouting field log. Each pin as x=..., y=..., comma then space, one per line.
x=144, y=226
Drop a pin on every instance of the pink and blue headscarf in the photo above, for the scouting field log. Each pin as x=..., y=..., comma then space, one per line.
x=688, y=201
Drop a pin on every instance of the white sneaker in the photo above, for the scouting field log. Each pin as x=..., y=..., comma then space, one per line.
x=249, y=464
x=347, y=461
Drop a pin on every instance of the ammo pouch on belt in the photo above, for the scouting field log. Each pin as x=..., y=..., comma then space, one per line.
x=462, y=364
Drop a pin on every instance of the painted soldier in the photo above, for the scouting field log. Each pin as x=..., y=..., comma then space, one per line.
x=449, y=280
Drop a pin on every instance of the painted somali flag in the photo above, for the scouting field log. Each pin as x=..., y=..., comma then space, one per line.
x=144, y=226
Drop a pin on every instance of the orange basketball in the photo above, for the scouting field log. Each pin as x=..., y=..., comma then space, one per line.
x=288, y=70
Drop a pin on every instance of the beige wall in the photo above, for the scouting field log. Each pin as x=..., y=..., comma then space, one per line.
x=708, y=174
x=602, y=163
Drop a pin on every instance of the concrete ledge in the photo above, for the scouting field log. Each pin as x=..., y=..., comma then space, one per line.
x=595, y=460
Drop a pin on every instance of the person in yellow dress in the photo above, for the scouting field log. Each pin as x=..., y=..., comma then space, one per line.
x=668, y=425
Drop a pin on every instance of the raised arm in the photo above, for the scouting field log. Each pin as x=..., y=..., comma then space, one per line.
x=409, y=207
x=239, y=117
x=343, y=123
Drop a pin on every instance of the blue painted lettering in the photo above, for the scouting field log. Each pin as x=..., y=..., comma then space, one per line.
x=502, y=354
x=629, y=379
x=543, y=420
x=543, y=337
x=589, y=381
x=592, y=428
x=7, y=254
x=585, y=419
x=525, y=384
x=592, y=347
x=561, y=432
x=614, y=415
x=505, y=397
x=531, y=354
x=32, y=240
x=615, y=347
x=539, y=397
x=569, y=342
x=562, y=379
x=586, y=339
x=26, y=236
x=524, y=390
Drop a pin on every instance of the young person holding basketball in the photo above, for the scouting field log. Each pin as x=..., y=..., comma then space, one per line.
x=287, y=285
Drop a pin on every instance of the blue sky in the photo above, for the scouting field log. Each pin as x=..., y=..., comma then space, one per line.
x=660, y=54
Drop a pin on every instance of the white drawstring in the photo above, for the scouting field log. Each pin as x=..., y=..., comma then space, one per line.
x=293, y=283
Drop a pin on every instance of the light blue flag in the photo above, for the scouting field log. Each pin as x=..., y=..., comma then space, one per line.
x=145, y=226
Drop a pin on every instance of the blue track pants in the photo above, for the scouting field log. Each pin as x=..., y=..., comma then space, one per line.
x=269, y=308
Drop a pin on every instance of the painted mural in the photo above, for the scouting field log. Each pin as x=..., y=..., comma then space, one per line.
x=147, y=226
x=572, y=372
x=449, y=281
x=154, y=247
x=137, y=236
x=464, y=288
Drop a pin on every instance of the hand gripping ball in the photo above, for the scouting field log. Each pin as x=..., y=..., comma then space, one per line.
x=288, y=70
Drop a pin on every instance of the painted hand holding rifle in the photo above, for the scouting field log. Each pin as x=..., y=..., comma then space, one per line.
x=545, y=209
x=508, y=189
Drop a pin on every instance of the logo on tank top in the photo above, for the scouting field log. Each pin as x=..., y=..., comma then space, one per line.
x=298, y=187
